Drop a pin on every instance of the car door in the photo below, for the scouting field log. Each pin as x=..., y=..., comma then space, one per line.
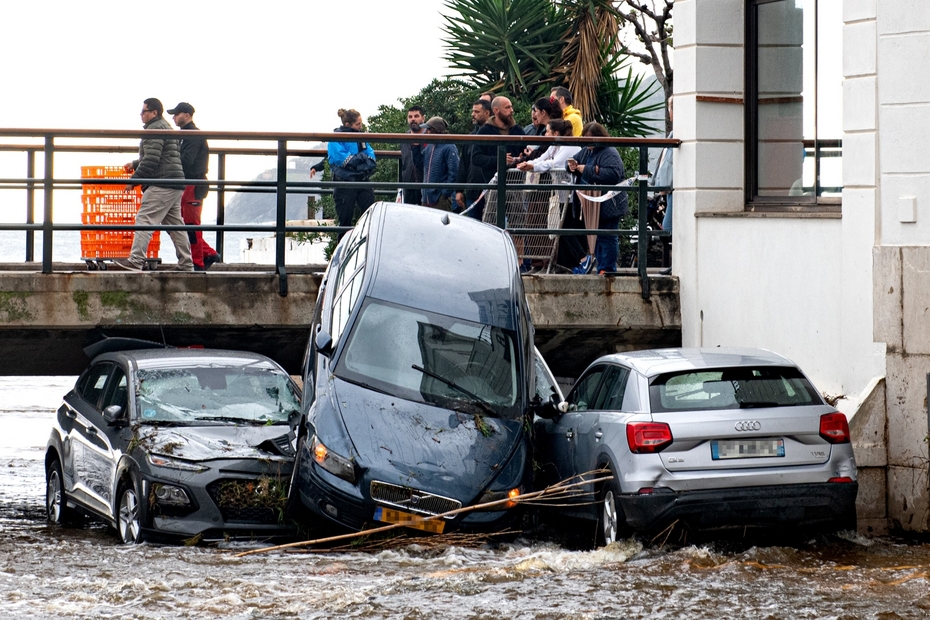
x=79, y=408
x=557, y=437
x=598, y=423
x=87, y=442
x=103, y=442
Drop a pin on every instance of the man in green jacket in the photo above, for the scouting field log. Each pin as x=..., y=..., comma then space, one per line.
x=159, y=159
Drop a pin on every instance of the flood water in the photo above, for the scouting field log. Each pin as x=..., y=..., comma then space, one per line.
x=50, y=572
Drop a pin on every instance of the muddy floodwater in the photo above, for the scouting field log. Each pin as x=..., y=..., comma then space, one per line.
x=50, y=572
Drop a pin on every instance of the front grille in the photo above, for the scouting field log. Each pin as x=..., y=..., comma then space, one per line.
x=412, y=500
x=259, y=500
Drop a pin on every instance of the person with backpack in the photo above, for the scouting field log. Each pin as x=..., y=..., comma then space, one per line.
x=351, y=161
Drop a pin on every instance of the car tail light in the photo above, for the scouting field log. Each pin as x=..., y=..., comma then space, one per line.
x=834, y=428
x=647, y=437
x=843, y=479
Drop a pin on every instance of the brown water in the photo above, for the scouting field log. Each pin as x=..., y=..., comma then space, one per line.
x=50, y=572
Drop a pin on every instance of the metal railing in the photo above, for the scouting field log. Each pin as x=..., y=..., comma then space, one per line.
x=48, y=143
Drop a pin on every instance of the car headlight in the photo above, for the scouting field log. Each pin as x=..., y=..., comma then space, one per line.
x=334, y=463
x=160, y=460
x=170, y=495
x=496, y=496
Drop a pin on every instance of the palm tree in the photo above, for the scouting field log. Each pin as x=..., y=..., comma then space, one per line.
x=524, y=48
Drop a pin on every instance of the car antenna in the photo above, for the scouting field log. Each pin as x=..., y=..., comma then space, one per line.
x=164, y=342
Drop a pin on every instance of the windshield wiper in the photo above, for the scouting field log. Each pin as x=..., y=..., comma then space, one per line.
x=223, y=418
x=478, y=400
x=757, y=404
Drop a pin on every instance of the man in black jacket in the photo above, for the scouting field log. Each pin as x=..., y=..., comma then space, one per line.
x=484, y=155
x=195, y=155
x=411, y=156
x=480, y=113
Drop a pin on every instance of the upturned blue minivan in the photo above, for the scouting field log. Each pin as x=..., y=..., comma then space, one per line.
x=419, y=378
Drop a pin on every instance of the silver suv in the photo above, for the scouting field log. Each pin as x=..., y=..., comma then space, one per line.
x=701, y=438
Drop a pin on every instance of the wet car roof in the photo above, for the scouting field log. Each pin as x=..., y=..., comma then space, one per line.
x=464, y=268
x=162, y=358
x=651, y=362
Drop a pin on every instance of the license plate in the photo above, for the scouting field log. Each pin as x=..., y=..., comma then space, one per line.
x=399, y=517
x=747, y=448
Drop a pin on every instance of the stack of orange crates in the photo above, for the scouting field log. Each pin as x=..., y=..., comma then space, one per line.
x=110, y=204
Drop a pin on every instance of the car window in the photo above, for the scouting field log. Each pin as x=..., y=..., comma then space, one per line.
x=610, y=396
x=583, y=394
x=117, y=391
x=732, y=388
x=545, y=385
x=96, y=381
x=256, y=393
x=432, y=358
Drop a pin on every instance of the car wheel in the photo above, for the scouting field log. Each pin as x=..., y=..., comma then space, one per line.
x=611, y=523
x=56, y=502
x=129, y=513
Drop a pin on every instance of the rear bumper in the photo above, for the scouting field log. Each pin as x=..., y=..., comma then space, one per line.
x=806, y=505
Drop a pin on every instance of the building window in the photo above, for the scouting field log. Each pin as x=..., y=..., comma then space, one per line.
x=794, y=104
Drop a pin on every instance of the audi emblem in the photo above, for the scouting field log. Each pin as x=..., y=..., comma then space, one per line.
x=748, y=425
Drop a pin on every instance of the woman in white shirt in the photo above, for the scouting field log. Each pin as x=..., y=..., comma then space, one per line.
x=556, y=155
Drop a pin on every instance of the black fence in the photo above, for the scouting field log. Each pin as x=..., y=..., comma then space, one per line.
x=44, y=144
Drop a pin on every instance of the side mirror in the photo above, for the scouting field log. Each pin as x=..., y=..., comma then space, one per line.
x=324, y=343
x=113, y=414
x=547, y=409
x=563, y=406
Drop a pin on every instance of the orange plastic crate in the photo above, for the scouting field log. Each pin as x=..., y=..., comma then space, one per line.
x=110, y=204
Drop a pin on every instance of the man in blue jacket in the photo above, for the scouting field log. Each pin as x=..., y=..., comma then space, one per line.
x=440, y=165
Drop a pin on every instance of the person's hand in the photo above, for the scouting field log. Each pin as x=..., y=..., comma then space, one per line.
x=510, y=159
x=130, y=188
x=128, y=168
x=312, y=173
x=579, y=168
x=460, y=199
x=572, y=165
x=525, y=166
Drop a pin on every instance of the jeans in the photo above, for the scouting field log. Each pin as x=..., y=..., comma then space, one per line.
x=607, y=247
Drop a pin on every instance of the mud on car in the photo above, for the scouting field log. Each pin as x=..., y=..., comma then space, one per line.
x=175, y=444
x=419, y=376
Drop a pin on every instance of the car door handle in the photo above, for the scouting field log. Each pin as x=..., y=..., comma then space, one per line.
x=71, y=414
x=91, y=431
x=598, y=435
x=569, y=434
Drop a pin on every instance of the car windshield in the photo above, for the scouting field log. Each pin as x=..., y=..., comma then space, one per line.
x=250, y=394
x=432, y=358
x=732, y=388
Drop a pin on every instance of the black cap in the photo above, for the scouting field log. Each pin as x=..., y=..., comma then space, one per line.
x=182, y=108
x=437, y=124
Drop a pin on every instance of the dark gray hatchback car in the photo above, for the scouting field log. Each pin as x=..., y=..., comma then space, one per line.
x=175, y=443
x=419, y=376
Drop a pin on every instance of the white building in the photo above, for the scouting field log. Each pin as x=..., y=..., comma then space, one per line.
x=802, y=211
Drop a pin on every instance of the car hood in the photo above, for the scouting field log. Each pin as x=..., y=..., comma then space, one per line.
x=203, y=443
x=431, y=448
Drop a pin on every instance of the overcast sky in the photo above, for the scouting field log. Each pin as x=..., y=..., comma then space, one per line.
x=273, y=65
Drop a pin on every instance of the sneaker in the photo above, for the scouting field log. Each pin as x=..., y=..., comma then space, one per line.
x=585, y=266
x=208, y=261
x=128, y=264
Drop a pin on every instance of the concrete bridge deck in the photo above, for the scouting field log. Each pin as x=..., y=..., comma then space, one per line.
x=46, y=319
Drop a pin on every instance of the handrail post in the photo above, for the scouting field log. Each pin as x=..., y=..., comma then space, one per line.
x=281, y=218
x=644, y=238
x=220, y=202
x=501, y=186
x=30, y=204
x=47, y=223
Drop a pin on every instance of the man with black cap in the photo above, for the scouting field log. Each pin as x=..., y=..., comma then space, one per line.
x=195, y=156
x=440, y=165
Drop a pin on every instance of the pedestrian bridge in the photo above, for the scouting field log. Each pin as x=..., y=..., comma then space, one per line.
x=47, y=318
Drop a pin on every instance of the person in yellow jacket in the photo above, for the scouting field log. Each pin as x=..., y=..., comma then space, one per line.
x=563, y=97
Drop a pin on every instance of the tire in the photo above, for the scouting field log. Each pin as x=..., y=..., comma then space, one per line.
x=130, y=513
x=56, y=501
x=611, y=523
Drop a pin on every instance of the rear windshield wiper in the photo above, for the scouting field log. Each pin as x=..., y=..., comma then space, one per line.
x=478, y=400
x=757, y=404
